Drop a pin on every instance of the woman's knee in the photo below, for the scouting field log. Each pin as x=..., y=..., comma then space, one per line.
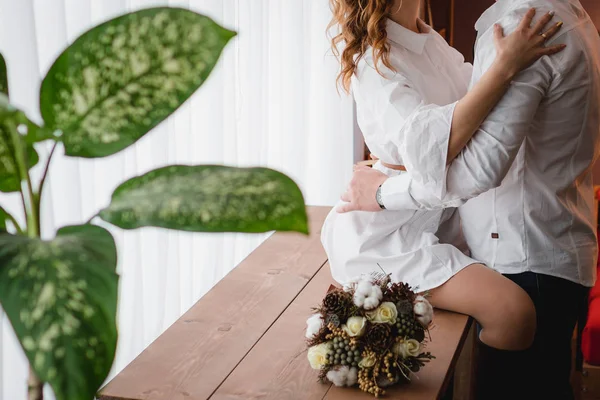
x=504, y=310
x=513, y=324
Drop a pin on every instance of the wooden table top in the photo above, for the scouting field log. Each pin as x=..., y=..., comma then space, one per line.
x=245, y=338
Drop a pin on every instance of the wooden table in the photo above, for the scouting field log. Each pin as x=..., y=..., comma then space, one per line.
x=245, y=338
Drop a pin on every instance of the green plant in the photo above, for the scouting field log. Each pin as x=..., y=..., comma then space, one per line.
x=107, y=90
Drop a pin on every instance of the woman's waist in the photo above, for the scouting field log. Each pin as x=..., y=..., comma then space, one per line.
x=385, y=167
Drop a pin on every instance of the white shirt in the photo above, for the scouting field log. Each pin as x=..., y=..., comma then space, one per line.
x=396, y=108
x=530, y=163
x=396, y=113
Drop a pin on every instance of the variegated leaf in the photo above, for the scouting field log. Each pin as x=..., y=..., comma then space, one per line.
x=3, y=76
x=122, y=78
x=209, y=199
x=61, y=299
x=13, y=119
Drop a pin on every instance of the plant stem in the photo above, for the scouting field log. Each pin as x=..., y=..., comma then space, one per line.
x=14, y=221
x=43, y=182
x=33, y=230
x=89, y=221
x=35, y=390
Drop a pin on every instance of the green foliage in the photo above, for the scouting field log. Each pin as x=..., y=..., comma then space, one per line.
x=121, y=79
x=3, y=218
x=3, y=76
x=209, y=198
x=10, y=120
x=107, y=90
x=61, y=299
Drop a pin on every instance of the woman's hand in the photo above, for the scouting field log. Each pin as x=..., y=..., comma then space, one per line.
x=525, y=46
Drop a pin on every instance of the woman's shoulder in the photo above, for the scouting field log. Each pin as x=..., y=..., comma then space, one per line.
x=369, y=68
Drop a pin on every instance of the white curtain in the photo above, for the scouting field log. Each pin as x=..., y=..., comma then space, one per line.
x=271, y=102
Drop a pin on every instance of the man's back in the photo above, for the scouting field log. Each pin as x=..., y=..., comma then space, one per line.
x=541, y=218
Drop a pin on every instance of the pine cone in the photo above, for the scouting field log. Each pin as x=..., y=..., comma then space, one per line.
x=338, y=303
x=379, y=337
x=401, y=291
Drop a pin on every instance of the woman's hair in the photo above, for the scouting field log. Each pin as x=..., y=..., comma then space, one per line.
x=362, y=24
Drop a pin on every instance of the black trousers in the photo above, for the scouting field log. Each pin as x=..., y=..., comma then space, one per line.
x=547, y=364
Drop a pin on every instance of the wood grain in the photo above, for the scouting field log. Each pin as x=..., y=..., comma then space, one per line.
x=447, y=339
x=277, y=367
x=464, y=377
x=590, y=382
x=195, y=355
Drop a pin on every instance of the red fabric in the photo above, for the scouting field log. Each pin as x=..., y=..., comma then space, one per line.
x=590, y=341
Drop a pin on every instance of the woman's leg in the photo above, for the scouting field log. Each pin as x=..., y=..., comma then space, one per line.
x=504, y=311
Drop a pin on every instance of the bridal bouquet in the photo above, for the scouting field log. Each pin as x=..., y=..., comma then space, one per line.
x=370, y=333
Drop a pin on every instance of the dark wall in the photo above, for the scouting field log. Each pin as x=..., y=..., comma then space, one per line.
x=593, y=8
x=467, y=13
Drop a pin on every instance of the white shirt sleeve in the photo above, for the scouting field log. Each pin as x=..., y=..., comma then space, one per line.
x=416, y=132
x=485, y=161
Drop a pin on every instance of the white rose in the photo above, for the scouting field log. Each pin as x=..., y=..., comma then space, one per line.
x=313, y=325
x=368, y=361
x=355, y=326
x=386, y=313
x=317, y=355
x=407, y=348
x=423, y=310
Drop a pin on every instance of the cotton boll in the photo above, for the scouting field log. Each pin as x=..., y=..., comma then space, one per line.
x=423, y=310
x=352, y=378
x=336, y=377
x=367, y=295
x=373, y=299
x=313, y=325
x=344, y=376
x=364, y=287
x=359, y=299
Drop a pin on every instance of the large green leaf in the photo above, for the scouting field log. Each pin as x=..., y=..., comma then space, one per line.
x=209, y=199
x=121, y=79
x=3, y=76
x=10, y=120
x=61, y=299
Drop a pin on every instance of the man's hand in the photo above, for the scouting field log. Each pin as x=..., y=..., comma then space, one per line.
x=360, y=195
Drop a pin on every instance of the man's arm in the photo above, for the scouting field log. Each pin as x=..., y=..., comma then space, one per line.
x=487, y=158
x=481, y=166
x=483, y=163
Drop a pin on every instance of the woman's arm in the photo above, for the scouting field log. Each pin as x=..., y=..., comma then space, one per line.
x=514, y=53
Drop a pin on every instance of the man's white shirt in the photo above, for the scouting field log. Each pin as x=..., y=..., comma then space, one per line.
x=530, y=162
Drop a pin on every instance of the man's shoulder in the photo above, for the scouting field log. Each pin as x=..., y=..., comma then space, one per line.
x=512, y=16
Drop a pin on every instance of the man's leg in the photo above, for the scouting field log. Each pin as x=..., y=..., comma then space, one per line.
x=509, y=370
x=557, y=302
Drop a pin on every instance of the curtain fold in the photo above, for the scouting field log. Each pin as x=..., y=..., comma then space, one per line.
x=271, y=101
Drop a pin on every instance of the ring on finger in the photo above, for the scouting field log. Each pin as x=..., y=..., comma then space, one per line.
x=544, y=36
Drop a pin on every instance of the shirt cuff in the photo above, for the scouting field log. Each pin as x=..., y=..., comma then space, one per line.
x=403, y=193
x=395, y=193
x=425, y=154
